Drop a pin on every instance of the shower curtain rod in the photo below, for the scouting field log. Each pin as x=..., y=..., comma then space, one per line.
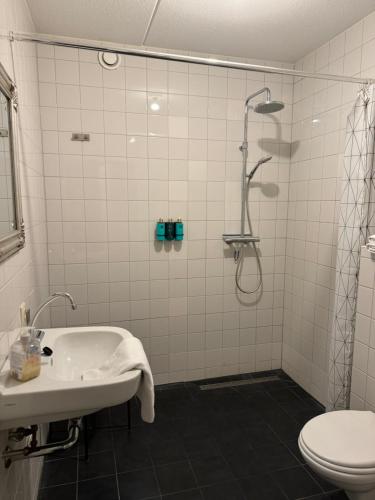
x=178, y=57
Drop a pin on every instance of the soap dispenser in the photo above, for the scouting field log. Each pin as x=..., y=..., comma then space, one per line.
x=25, y=356
x=169, y=230
x=160, y=230
x=179, y=229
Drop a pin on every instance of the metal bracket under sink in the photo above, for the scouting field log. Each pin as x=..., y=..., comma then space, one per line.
x=239, y=238
x=36, y=450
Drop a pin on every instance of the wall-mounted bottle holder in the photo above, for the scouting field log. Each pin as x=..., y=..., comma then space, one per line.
x=179, y=230
x=170, y=230
x=160, y=230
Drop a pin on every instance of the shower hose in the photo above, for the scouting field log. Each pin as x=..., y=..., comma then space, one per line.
x=240, y=255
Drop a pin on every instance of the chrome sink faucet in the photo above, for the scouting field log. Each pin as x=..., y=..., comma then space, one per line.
x=50, y=299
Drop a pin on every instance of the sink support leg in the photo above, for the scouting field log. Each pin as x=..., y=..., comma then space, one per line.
x=129, y=415
x=86, y=437
x=126, y=425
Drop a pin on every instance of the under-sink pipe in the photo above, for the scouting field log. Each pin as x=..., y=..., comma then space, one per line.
x=33, y=450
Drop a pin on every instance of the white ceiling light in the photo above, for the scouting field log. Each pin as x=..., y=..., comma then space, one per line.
x=109, y=60
x=155, y=106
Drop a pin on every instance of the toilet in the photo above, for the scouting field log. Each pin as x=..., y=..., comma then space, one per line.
x=340, y=447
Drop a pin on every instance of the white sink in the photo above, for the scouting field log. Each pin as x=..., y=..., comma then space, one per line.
x=59, y=392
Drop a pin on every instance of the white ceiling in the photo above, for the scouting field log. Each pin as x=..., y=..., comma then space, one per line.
x=282, y=30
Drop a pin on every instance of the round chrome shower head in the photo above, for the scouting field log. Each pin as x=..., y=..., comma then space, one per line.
x=268, y=107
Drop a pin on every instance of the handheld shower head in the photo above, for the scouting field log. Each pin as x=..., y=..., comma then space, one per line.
x=260, y=162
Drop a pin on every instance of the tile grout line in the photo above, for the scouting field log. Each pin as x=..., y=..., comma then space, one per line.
x=153, y=466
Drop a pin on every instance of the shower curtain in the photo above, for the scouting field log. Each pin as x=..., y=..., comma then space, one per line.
x=356, y=222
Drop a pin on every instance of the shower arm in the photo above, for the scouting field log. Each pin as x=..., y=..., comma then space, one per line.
x=247, y=104
x=244, y=151
x=258, y=92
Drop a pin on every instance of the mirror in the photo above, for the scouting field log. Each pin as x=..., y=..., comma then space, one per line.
x=12, y=235
x=7, y=207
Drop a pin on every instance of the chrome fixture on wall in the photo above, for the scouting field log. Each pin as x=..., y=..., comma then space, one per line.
x=52, y=298
x=240, y=241
x=260, y=162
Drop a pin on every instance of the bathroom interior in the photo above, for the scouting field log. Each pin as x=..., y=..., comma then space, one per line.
x=187, y=240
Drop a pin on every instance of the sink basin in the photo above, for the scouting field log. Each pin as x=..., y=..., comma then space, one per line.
x=59, y=392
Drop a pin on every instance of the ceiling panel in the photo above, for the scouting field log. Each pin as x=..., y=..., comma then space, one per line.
x=282, y=30
x=121, y=21
x=278, y=30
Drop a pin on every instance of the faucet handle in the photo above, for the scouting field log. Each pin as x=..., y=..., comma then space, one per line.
x=47, y=351
x=25, y=315
x=39, y=334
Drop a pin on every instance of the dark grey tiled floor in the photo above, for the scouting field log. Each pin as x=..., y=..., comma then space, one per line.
x=225, y=444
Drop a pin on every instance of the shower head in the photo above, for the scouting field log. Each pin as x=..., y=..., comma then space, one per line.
x=268, y=107
x=260, y=162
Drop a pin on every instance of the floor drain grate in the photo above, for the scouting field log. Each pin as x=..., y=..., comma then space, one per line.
x=236, y=383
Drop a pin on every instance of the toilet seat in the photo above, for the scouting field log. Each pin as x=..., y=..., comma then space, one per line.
x=334, y=468
x=342, y=441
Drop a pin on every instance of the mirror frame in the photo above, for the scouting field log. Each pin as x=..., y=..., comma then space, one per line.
x=15, y=240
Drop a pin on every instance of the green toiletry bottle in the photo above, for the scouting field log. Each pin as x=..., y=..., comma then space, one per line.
x=169, y=230
x=160, y=230
x=179, y=230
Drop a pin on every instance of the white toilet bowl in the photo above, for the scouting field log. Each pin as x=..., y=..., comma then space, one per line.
x=340, y=447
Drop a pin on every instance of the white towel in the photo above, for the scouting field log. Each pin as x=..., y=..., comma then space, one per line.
x=129, y=355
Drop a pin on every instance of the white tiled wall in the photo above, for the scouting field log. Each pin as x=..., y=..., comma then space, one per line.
x=319, y=120
x=164, y=143
x=363, y=375
x=182, y=160
x=23, y=277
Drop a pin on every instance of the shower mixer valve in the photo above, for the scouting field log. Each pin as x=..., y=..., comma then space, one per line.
x=245, y=239
x=237, y=242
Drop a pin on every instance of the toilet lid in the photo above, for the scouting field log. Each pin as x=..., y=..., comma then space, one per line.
x=345, y=438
